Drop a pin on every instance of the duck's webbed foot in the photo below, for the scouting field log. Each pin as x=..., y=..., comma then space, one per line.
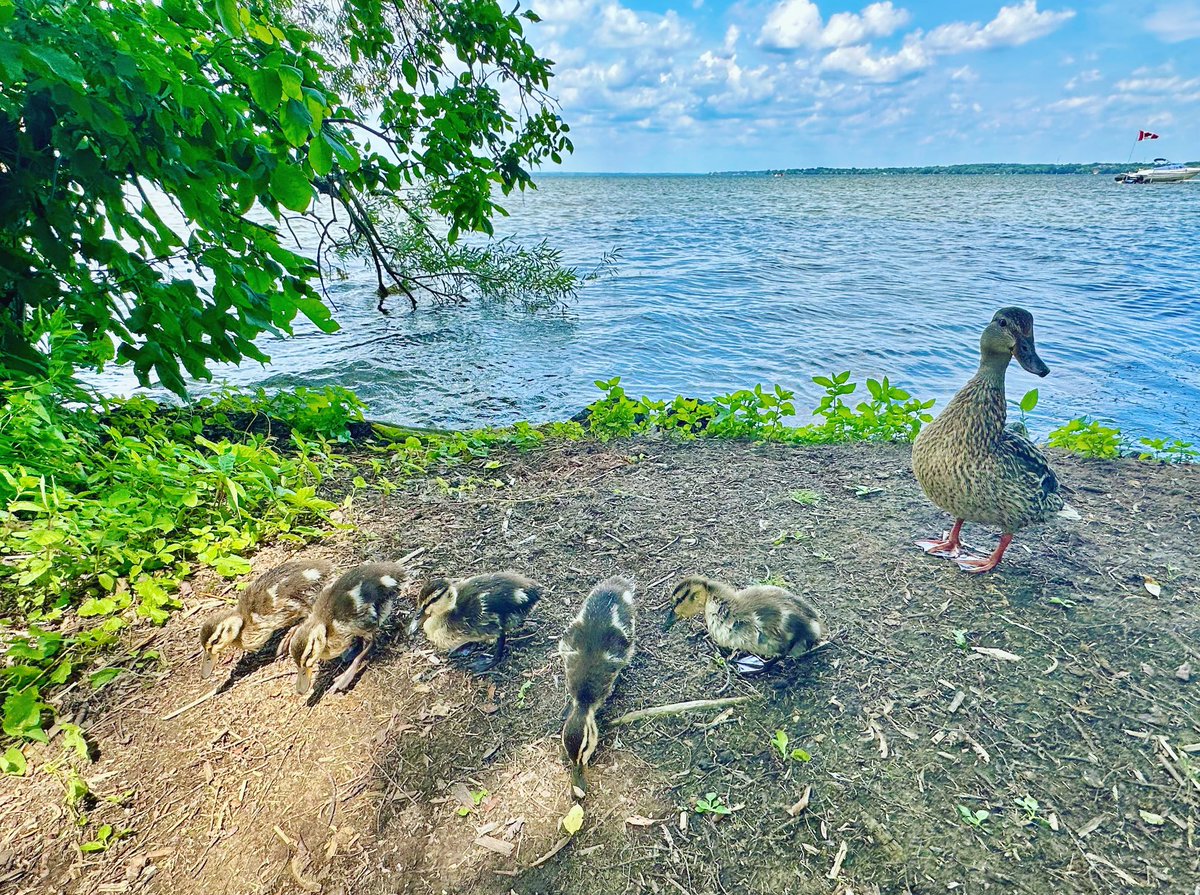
x=948, y=546
x=976, y=565
x=749, y=666
x=476, y=658
x=343, y=681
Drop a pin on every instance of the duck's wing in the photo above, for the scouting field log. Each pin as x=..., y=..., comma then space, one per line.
x=1029, y=466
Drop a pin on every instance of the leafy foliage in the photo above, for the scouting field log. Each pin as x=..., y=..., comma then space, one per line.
x=1088, y=437
x=157, y=159
x=102, y=517
x=711, y=803
x=891, y=414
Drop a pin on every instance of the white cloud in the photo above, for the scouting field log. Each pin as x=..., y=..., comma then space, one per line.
x=1175, y=23
x=1159, y=86
x=859, y=61
x=1012, y=26
x=1084, y=77
x=793, y=24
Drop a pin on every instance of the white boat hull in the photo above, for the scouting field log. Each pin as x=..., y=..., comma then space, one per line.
x=1174, y=174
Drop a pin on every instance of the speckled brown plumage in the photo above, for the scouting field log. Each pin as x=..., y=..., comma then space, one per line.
x=974, y=468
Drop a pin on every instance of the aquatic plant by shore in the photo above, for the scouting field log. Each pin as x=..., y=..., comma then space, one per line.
x=108, y=507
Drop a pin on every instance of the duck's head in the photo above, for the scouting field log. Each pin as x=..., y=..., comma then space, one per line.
x=216, y=635
x=437, y=597
x=689, y=598
x=307, y=648
x=1010, y=334
x=580, y=736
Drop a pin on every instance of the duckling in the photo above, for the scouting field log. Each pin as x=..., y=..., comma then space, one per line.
x=973, y=467
x=766, y=621
x=596, y=646
x=349, y=612
x=458, y=613
x=276, y=599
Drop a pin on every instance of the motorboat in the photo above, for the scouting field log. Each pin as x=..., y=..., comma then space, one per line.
x=1160, y=171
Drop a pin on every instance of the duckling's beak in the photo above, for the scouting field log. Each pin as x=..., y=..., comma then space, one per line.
x=303, y=681
x=578, y=784
x=206, y=665
x=414, y=623
x=669, y=620
x=1027, y=356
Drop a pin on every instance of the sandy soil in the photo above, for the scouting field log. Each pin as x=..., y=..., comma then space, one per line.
x=425, y=778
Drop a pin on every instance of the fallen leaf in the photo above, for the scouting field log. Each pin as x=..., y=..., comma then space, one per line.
x=636, y=820
x=1151, y=818
x=1152, y=586
x=499, y=846
x=1003, y=655
x=573, y=820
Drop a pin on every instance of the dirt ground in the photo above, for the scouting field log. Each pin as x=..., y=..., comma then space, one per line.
x=425, y=778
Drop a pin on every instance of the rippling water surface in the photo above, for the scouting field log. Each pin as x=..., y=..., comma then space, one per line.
x=727, y=281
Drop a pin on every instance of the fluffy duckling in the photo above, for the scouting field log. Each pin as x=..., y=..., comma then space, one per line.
x=973, y=467
x=766, y=621
x=276, y=599
x=461, y=612
x=596, y=646
x=349, y=612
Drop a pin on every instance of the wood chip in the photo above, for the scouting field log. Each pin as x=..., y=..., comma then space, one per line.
x=957, y=701
x=636, y=820
x=499, y=846
x=798, y=808
x=837, y=861
x=992, y=652
x=1091, y=826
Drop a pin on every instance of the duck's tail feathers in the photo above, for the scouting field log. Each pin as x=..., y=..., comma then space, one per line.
x=1069, y=512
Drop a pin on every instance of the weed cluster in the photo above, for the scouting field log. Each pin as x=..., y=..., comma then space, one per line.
x=890, y=414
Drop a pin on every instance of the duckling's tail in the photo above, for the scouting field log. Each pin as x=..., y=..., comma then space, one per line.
x=1069, y=512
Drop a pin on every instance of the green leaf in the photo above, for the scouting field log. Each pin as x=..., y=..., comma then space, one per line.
x=292, y=82
x=410, y=72
x=23, y=715
x=291, y=187
x=573, y=821
x=320, y=155
x=227, y=15
x=104, y=676
x=13, y=762
x=1030, y=400
x=296, y=121
x=266, y=88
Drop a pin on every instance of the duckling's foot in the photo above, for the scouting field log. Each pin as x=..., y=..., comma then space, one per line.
x=748, y=666
x=483, y=662
x=948, y=546
x=975, y=565
x=285, y=644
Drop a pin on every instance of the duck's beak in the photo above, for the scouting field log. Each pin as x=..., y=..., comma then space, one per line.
x=414, y=623
x=303, y=681
x=669, y=620
x=578, y=784
x=207, y=661
x=1027, y=356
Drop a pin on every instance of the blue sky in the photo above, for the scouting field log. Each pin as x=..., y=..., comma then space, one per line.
x=703, y=85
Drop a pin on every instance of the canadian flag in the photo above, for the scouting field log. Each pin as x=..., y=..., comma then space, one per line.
x=1146, y=135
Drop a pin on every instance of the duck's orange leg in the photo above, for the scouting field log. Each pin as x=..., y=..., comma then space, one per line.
x=949, y=546
x=975, y=565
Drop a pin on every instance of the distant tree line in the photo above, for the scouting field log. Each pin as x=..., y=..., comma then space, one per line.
x=1072, y=168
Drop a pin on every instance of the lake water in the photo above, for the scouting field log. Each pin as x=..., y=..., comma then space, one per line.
x=723, y=282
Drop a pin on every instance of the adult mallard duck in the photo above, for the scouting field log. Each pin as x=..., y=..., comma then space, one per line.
x=974, y=468
x=597, y=645
x=763, y=620
x=458, y=614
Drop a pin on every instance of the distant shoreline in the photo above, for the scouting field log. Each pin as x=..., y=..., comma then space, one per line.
x=1089, y=168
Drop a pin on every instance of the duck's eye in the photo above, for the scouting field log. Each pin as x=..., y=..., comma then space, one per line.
x=1003, y=322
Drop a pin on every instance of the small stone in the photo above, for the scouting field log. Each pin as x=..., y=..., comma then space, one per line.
x=1184, y=672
